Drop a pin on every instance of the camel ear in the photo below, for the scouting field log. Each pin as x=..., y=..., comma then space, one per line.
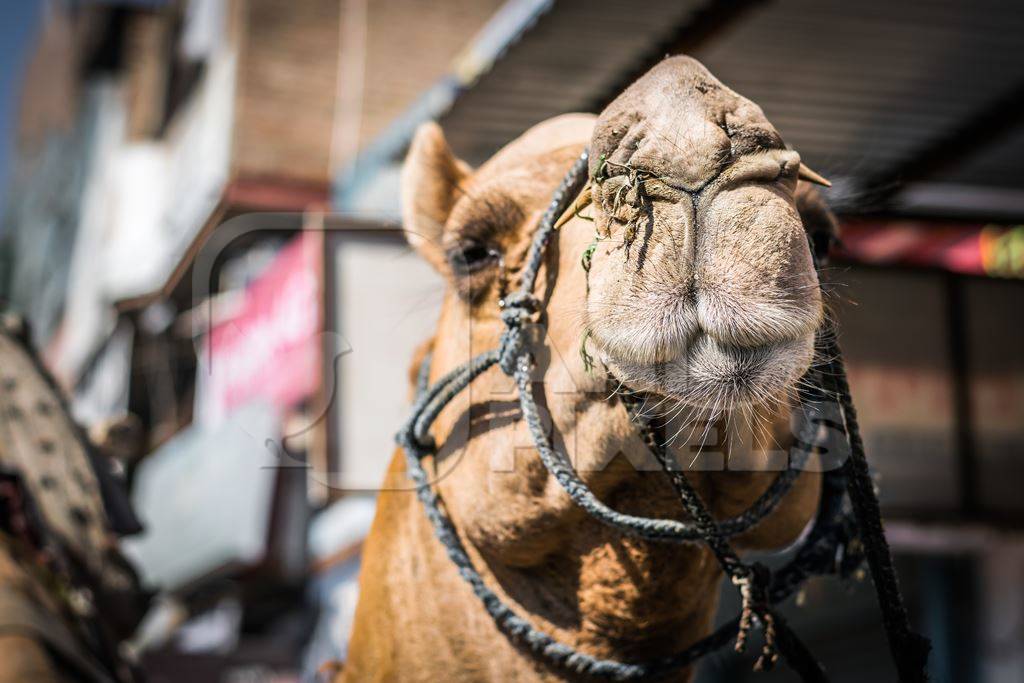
x=432, y=180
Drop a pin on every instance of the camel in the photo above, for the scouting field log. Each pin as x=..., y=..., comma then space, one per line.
x=689, y=277
x=68, y=597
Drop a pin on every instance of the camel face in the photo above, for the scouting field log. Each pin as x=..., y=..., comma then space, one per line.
x=471, y=224
x=701, y=285
x=688, y=274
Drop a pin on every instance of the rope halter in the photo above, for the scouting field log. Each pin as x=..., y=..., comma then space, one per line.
x=831, y=535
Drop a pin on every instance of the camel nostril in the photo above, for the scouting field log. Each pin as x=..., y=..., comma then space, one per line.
x=689, y=295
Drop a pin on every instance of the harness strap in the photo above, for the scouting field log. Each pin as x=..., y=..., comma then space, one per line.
x=430, y=405
x=751, y=580
x=909, y=649
x=648, y=528
x=824, y=550
x=796, y=653
x=519, y=630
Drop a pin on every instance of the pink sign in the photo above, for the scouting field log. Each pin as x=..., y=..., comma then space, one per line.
x=973, y=249
x=270, y=349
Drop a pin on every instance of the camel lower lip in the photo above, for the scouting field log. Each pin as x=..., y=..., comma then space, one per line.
x=711, y=375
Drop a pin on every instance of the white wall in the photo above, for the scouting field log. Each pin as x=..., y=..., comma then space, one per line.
x=387, y=302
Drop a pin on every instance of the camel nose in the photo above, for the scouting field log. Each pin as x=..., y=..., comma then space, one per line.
x=756, y=283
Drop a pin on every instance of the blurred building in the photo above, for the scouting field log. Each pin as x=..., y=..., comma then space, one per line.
x=167, y=237
x=196, y=180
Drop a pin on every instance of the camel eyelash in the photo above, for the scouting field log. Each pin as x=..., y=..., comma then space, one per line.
x=469, y=257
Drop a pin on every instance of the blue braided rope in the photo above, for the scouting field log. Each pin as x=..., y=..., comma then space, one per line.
x=648, y=528
x=514, y=359
x=518, y=629
x=516, y=312
x=556, y=654
x=430, y=405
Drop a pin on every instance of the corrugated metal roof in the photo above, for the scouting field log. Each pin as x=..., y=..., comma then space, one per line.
x=574, y=54
x=998, y=165
x=863, y=88
x=872, y=93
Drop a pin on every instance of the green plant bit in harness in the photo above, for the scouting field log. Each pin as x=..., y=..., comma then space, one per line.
x=635, y=180
x=588, y=360
x=824, y=549
x=588, y=257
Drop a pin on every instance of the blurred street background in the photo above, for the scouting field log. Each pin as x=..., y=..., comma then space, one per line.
x=200, y=222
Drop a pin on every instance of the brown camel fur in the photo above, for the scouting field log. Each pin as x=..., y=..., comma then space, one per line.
x=701, y=291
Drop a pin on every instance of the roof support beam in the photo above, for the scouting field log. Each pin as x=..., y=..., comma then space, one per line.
x=987, y=126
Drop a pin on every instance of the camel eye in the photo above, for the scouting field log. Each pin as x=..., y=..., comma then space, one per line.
x=471, y=257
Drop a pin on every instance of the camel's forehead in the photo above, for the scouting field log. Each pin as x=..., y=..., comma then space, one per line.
x=680, y=123
x=542, y=146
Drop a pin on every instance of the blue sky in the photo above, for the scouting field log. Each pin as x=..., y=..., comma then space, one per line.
x=19, y=21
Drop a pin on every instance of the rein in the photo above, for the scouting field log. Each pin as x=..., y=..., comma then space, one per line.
x=830, y=547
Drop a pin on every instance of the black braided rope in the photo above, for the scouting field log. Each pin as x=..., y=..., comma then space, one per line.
x=909, y=649
x=518, y=629
x=648, y=528
x=820, y=552
x=728, y=559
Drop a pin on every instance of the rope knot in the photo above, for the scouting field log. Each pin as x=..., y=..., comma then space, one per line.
x=516, y=311
x=517, y=308
x=753, y=586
